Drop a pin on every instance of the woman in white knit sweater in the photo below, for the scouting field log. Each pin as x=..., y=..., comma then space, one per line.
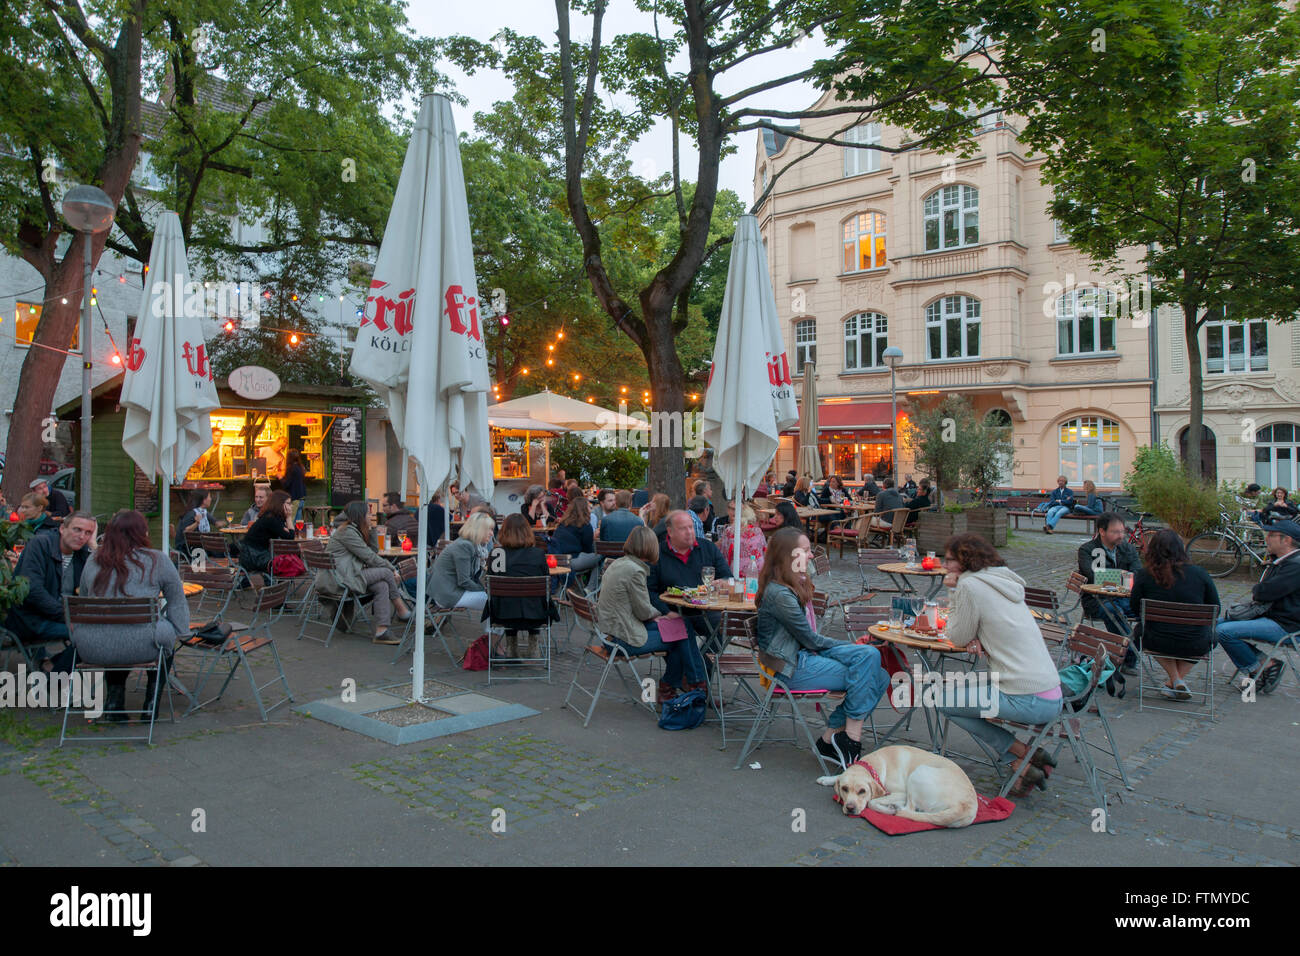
x=988, y=612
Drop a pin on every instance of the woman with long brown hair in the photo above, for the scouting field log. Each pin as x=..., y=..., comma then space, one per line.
x=655, y=513
x=802, y=659
x=575, y=538
x=275, y=521
x=1166, y=575
x=125, y=565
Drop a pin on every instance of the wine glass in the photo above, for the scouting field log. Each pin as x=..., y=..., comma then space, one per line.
x=917, y=604
x=299, y=525
x=707, y=574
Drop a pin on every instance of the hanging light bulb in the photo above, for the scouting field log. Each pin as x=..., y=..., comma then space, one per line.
x=230, y=326
x=293, y=339
x=505, y=320
x=117, y=359
x=577, y=377
x=294, y=297
x=65, y=301
x=623, y=390
x=560, y=334
x=525, y=370
x=590, y=400
x=266, y=294
x=550, y=348
x=550, y=361
x=122, y=279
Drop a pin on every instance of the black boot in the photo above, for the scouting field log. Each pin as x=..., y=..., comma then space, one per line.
x=115, y=700
x=149, y=688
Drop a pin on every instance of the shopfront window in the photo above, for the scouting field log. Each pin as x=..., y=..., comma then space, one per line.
x=250, y=445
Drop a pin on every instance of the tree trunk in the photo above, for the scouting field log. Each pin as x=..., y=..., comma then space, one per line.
x=1196, y=396
x=667, y=472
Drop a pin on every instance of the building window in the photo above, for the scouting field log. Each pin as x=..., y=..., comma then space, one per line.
x=1058, y=232
x=859, y=161
x=952, y=218
x=1226, y=346
x=805, y=344
x=763, y=178
x=1090, y=451
x=1085, y=321
x=27, y=317
x=866, y=337
x=1001, y=418
x=1277, y=456
x=952, y=326
x=864, y=242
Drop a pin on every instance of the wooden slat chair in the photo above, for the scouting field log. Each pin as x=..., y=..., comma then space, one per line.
x=890, y=537
x=858, y=619
x=844, y=531
x=437, y=617
x=870, y=559
x=1074, y=584
x=613, y=550
x=1085, y=643
x=217, y=548
x=610, y=657
x=1052, y=621
x=1185, y=616
x=300, y=585
x=539, y=586
x=132, y=612
x=315, y=604
x=220, y=586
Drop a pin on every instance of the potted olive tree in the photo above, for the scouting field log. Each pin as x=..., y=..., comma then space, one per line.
x=988, y=455
x=941, y=439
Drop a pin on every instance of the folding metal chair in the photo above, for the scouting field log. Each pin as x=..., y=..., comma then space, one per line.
x=1052, y=621
x=131, y=612
x=870, y=559
x=1074, y=584
x=1087, y=643
x=1185, y=616
x=771, y=698
x=890, y=537
x=314, y=603
x=269, y=606
x=736, y=629
x=1286, y=650
x=539, y=586
x=612, y=656
x=836, y=599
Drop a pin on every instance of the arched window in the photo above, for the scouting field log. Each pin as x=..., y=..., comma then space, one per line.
x=952, y=217
x=1085, y=321
x=866, y=336
x=864, y=242
x=1090, y=450
x=952, y=327
x=1277, y=455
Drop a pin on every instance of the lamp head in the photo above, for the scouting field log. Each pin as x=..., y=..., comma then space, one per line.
x=88, y=209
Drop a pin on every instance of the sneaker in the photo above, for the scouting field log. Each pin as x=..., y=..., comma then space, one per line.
x=847, y=750
x=1271, y=677
x=827, y=750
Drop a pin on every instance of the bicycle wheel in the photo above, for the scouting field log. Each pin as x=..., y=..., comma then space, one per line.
x=1214, y=551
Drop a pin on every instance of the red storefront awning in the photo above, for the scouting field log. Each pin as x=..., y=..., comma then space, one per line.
x=852, y=416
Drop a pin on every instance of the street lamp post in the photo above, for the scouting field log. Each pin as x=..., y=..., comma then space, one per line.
x=89, y=211
x=893, y=356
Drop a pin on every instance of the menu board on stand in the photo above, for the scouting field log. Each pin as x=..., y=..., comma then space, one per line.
x=347, y=454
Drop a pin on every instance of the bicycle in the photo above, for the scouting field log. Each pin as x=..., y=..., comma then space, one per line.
x=1220, y=552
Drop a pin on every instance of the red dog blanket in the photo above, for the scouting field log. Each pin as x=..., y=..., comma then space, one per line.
x=990, y=811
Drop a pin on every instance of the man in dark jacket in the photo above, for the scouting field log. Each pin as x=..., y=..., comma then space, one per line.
x=52, y=565
x=59, y=507
x=618, y=524
x=1108, y=549
x=681, y=557
x=1279, y=588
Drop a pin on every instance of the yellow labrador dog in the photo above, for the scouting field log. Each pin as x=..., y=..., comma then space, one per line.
x=911, y=783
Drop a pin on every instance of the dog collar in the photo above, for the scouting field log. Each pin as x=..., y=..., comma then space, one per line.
x=872, y=770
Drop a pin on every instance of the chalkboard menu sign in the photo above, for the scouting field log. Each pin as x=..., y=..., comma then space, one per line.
x=146, y=493
x=347, y=451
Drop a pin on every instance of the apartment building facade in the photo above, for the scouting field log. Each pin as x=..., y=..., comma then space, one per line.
x=957, y=262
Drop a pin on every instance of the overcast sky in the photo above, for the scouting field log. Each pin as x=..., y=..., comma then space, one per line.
x=653, y=155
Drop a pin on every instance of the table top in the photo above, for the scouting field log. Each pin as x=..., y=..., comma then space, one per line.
x=1104, y=590
x=399, y=553
x=191, y=588
x=716, y=602
x=902, y=568
x=234, y=529
x=856, y=506
x=910, y=638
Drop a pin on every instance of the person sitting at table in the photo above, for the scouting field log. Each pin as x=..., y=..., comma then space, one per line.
x=358, y=568
x=785, y=516
x=618, y=524
x=1166, y=575
x=1279, y=508
x=57, y=503
x=698, y=508
x=791, y=480
x=1060, y=504
x=1108, y=549
x=682, y=558
x=909, y=488
x=295, y=481
x=704, y=489
x=573, y=537
x=52, y=564
x=887, y=500
x=261, y=491
x=920, y=501
x=988, y=613
x=275, y=521
x=793, y=652
x=606, y=504
x=559, y=499
x=1278, y=590
x=435, y=519
x=124, y=565
x=764, y=488
x=836, y=493
x=33, y=509
x=870, y=486
x=805, y=497
x=537, y=505
x=753, y=543
x=194, y=519
x=398, y=519
x=456, y=578
x=629, y=617
x=520, y=558
x=1093, y=505
x=655, y=514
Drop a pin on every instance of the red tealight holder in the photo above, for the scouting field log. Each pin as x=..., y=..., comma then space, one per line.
x=13, y=516
x=406, y=544
x=928, y=564
x=551, y=561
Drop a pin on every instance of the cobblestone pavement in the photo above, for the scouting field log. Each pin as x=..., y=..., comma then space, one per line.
x=221, y=787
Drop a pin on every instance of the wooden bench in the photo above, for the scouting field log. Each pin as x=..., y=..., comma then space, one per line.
x=1030, y=512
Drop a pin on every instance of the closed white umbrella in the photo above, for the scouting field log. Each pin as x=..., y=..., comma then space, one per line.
x=420, y=339
x=810, y=463
x=750, y=400
x=167, y=388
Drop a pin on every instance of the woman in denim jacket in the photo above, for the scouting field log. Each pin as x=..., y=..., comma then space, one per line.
x=802, y=659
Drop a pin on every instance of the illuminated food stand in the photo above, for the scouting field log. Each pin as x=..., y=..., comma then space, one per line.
x=521, y=456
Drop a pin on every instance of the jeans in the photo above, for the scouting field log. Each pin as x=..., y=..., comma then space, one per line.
x=1022, y=708
x=1055, y=513
x=1233, y=635
x=1116, y=620
x=852, y=668
x=1085, y=510
x=683, y=656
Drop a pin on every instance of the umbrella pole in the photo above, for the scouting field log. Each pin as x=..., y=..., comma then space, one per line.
x=166, y=514
x=736, y=530
x=422, y=562
x=406, y=470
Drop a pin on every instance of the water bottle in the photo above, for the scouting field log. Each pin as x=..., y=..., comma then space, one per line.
x=751, y=579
